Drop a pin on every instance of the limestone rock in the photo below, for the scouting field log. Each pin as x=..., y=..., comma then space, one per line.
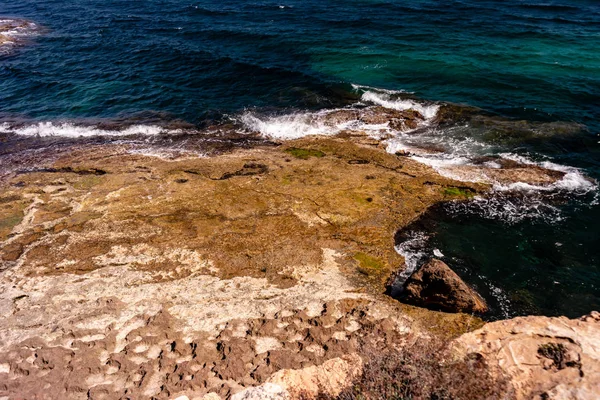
x=268, y=391
x=436, y=286
x=118, y=268
x=543, y=358
x=330, y=378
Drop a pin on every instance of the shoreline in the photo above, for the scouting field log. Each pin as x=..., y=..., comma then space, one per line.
x=119, y=257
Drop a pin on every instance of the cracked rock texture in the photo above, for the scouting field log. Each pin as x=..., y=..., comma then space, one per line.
x=254, y=273
x=544, y=358
x=128, y=276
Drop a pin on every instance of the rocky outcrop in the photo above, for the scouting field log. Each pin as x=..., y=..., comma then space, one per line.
x=130, y=275
x=400, y=120
x=328, y=379
x=124, y=274
x=543, y=358
x=437, y=287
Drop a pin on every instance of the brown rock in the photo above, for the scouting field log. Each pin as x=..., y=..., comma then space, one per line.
x=328, y=379
x=382, y=115
x=543, y=358
x=437, y=287
x=340, y=117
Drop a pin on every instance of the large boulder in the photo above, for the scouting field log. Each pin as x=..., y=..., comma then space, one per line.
x=437, y=287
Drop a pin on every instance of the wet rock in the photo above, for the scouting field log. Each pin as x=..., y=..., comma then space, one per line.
x=401, y=120
x=456, y=113
x=339, y=117
x=436, y=286
x=381, y=115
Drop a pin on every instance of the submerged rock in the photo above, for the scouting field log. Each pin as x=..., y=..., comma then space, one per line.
x=436, y=286
x=13, y=32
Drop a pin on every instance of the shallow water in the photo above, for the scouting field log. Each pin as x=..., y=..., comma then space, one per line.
x=157, y=74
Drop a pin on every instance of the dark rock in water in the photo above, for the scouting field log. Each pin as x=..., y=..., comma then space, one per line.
x=341, y=116
x=455, y=114
x=381, y=115
x=437, y=287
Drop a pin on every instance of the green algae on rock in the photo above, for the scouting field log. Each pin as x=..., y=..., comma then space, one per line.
x=227, y=268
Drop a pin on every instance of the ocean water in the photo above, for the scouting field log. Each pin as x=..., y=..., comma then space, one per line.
x=159, y=73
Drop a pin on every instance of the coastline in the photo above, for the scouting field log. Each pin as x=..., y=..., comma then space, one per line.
x=214, y=202
x=222, y=271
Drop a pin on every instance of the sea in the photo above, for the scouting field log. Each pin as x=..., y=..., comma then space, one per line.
x=168, y=76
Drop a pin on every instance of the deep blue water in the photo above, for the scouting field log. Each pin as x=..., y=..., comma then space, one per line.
x=193, y=61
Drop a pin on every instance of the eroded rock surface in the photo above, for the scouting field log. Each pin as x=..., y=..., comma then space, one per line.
x=124, y=275
x=136, y=276
x=328, y=379
x=544, y=358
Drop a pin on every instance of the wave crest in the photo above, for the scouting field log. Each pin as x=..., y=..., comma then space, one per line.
x=70, y=130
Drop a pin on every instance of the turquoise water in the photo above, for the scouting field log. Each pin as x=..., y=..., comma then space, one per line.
x=190, y=64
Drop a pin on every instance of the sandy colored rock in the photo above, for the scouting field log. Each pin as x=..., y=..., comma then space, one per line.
x=132, y=275
x=268, y=391
x=330, y=378
x=125, y=274
x=434, y=285
x=13, y=32
x=544, y=358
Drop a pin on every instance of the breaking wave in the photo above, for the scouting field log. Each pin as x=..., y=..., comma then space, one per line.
x=70, y=130
x=405, y=126
x=300, y=124
x=289, y=127
x=394, y=100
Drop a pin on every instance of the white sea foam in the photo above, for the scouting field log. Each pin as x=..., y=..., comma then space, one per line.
x=50, y=129
x=508, y=208
x=288, y=127
x=14, y=31
x=414, y=253
x=387, y=101
x=500, y=296
x=302, y=124
x=392, y=99
x=372, y=88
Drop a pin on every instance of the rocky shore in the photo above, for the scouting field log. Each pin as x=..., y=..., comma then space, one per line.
x=250, y=274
